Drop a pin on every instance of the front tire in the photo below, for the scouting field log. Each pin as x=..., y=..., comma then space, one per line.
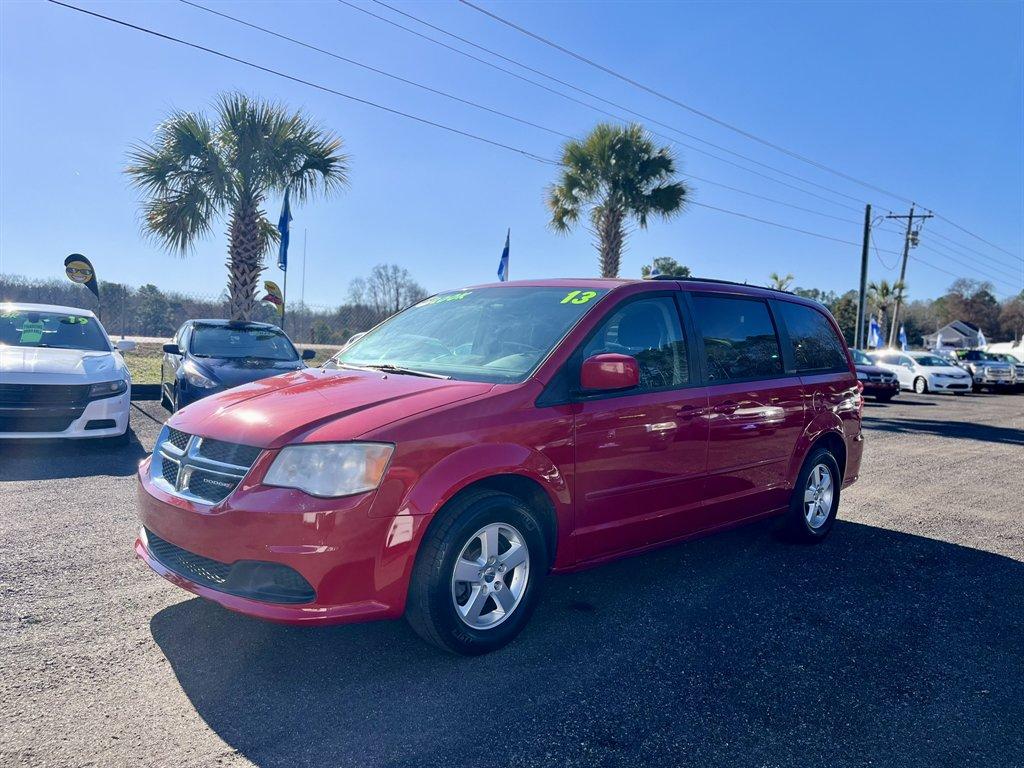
x=885, y=398
x=815, y=500
x=920, y=385
x=478, y=574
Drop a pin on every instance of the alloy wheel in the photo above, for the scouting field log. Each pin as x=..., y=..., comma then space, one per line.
x=818, y=496
x=490, y=576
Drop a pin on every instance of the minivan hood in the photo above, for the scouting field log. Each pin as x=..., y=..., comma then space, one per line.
x=317, y=405
x=45, y=365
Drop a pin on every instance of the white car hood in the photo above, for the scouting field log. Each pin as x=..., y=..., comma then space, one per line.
x=946, y=370
x=40, y=365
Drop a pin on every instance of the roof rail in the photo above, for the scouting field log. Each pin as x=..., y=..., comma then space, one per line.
x=718, y=281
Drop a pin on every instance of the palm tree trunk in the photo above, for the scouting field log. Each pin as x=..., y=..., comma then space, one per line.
x=245, y=261
x=610, y=237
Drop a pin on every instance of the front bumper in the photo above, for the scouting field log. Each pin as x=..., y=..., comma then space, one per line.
x=949, y=385
x=884, y=388
x=94, y=421
x=358, y=565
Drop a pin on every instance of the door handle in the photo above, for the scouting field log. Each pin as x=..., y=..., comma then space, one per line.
x=729, y=406
x=686, y=412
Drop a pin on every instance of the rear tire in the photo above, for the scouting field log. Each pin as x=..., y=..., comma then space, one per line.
x=920, y=385
x=815, y=500
x=477, y=614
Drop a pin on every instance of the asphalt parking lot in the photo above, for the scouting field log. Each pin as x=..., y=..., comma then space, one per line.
x=898, y=642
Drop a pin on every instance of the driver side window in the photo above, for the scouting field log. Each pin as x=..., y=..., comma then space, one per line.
x=649, y=330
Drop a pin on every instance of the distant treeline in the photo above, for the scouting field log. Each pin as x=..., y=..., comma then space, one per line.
x=149, y=311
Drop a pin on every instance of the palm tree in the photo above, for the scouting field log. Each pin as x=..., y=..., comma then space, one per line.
x=199, y=169
x=780, y=283
x=882, y=296
x=618, y=174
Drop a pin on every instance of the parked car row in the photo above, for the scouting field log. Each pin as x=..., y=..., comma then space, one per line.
x=885, y=372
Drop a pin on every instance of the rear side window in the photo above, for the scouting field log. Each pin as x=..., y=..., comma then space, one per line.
x=739, y=339
x=649, y=330
x=816, y=348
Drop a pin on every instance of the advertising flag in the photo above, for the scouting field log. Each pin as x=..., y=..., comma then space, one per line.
x=981, y=339
x=503, y=263
x=79, y=270
x=283, y=228
x=903, y=338
x=874, y=334
x=274, y=296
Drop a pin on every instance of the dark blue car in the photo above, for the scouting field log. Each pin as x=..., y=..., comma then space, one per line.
x=208, y=356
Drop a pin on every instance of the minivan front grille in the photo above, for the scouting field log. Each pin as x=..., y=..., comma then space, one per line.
x=198, y=468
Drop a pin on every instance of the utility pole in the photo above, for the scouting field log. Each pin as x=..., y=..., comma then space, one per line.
x=910, y=239
x=858, y=334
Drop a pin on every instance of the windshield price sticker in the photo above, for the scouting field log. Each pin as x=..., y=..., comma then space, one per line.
x=578, y=297
x=443, y=298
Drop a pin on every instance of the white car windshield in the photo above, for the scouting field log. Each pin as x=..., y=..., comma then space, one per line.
x=28, y=328
x=484, y=334
x=930, y=361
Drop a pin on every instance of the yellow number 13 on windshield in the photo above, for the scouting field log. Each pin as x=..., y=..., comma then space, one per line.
x=578, y=297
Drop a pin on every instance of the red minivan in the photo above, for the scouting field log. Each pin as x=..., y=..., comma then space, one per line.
x=440, y=467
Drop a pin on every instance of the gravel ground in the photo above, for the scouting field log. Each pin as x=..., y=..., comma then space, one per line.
x=897, y=642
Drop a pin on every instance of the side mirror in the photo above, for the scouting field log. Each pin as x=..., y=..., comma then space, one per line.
x=308, y=354
x=609, y=371
x=172, y=349
x=125, y=346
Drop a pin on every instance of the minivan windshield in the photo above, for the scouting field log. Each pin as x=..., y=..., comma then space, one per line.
x=26, y=328
x=497, y=334
x=239, y=342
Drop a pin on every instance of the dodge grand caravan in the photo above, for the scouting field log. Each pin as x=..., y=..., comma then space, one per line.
x=440, y=467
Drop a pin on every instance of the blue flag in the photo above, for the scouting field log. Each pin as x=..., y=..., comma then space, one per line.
x=282, y=227
x=903, y=338
x=874, y=334
x=503, y=263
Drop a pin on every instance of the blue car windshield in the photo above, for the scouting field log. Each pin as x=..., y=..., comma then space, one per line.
x=484, y=334
x=25, y=328
x=240, y=342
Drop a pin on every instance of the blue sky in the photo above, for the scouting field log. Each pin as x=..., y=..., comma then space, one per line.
x=924, y=99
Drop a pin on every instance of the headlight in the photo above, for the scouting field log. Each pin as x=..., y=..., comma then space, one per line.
x=862, y=376
x=195, y=376
x=108, y=389
x=330, y=469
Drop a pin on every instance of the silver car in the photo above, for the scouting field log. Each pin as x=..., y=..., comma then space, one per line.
x=988, y=371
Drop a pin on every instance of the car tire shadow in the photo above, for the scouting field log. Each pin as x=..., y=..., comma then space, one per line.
x=874, y=647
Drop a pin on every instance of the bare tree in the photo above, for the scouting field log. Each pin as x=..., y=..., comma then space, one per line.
x=388, y=289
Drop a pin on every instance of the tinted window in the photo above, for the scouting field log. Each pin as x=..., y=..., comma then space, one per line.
x=739, y=338
x=239, y=342
x=648, y=330
x=816, y=347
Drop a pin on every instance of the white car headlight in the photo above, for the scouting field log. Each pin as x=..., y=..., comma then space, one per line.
x=330, y=469
x=196, y=377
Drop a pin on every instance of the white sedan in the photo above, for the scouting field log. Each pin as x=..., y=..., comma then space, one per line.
x=924, y=372
x=60, y=375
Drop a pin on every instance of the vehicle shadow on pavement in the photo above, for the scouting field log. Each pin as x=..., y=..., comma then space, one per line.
x=987, y=433
x=65, y=459
x=875, y=647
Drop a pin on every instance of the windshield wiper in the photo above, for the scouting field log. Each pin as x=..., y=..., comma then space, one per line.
x=388, y=368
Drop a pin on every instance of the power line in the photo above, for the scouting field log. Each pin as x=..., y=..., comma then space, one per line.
x=683, y=105
x=719, y=121
x=593, y=95
x=448, y=95
x=381, y=72
x=948, y=253
x=324, y=88
x=972, y=250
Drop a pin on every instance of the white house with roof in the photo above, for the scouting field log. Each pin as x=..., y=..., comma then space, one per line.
x=956, y=335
